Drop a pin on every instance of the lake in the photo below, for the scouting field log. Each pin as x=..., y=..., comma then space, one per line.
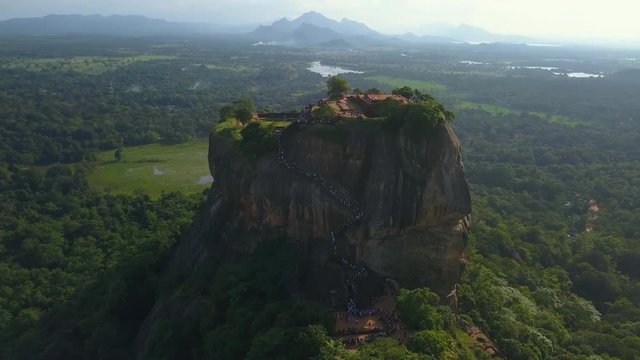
x=548, y=68
x=327, y=71
x=583, y=75
x=556, y=71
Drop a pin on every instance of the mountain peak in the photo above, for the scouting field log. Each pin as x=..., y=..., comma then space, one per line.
x=285, y=30
x=469, y=27
x=281, y=21
x=315, y=18
x=348, y=21
x=312, y=14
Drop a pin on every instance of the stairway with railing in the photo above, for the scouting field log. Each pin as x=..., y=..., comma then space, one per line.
x=352, y=271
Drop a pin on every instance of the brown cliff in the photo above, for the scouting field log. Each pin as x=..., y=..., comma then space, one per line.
x=412, y=191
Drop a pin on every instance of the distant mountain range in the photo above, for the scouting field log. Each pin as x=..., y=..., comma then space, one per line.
x=310, y=29
x=116, y=25
x=465, y=32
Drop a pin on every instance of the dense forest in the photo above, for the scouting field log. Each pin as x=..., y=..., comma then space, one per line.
x=554, y=259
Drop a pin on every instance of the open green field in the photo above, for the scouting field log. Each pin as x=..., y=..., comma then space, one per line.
x=92, y=65
x=153, y=169
x=560, y=120
x=416, y=84
x=497, y=110
x=240, y=69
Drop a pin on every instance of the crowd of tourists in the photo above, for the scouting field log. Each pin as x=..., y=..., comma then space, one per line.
x=341, y=197
x=351, y=271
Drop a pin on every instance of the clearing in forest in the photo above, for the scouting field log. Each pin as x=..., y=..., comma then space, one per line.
x=497, y=110
x=90, y=65
x=395, y=82
x=153, y=169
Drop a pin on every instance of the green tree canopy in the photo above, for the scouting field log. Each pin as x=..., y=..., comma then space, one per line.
x=419, y=116
x=257, y=139
x=403, y=91
x=412, y=94
x=241, y=109
x=420, y=309
x=337, y=87
x=431, y=342
x=324, y=113
x=388, y=349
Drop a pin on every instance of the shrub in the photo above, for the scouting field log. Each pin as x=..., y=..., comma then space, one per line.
x=420, y=309
x=257, y=140
x=436, y=343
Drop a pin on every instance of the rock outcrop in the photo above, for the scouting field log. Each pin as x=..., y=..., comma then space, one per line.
x=412, y=191
x=405, y=198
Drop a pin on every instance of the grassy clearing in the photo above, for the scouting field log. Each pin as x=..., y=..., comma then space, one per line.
x=92, y=65
x=560, y=120
x=394, y=82
x=239, y=69
x=497, y=110
x=494, y=110
x=153, y=169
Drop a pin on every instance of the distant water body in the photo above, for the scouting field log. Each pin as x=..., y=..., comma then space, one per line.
x=583, y=75
x=579, y=75
x=327, y=71
x=508, y=43
x=548, y=68
x=544, y=45
x=555, y=70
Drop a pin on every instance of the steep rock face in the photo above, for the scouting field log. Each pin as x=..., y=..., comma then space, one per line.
x=412, y=191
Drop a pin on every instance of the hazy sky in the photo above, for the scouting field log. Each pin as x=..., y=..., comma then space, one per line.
x=587, y=19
